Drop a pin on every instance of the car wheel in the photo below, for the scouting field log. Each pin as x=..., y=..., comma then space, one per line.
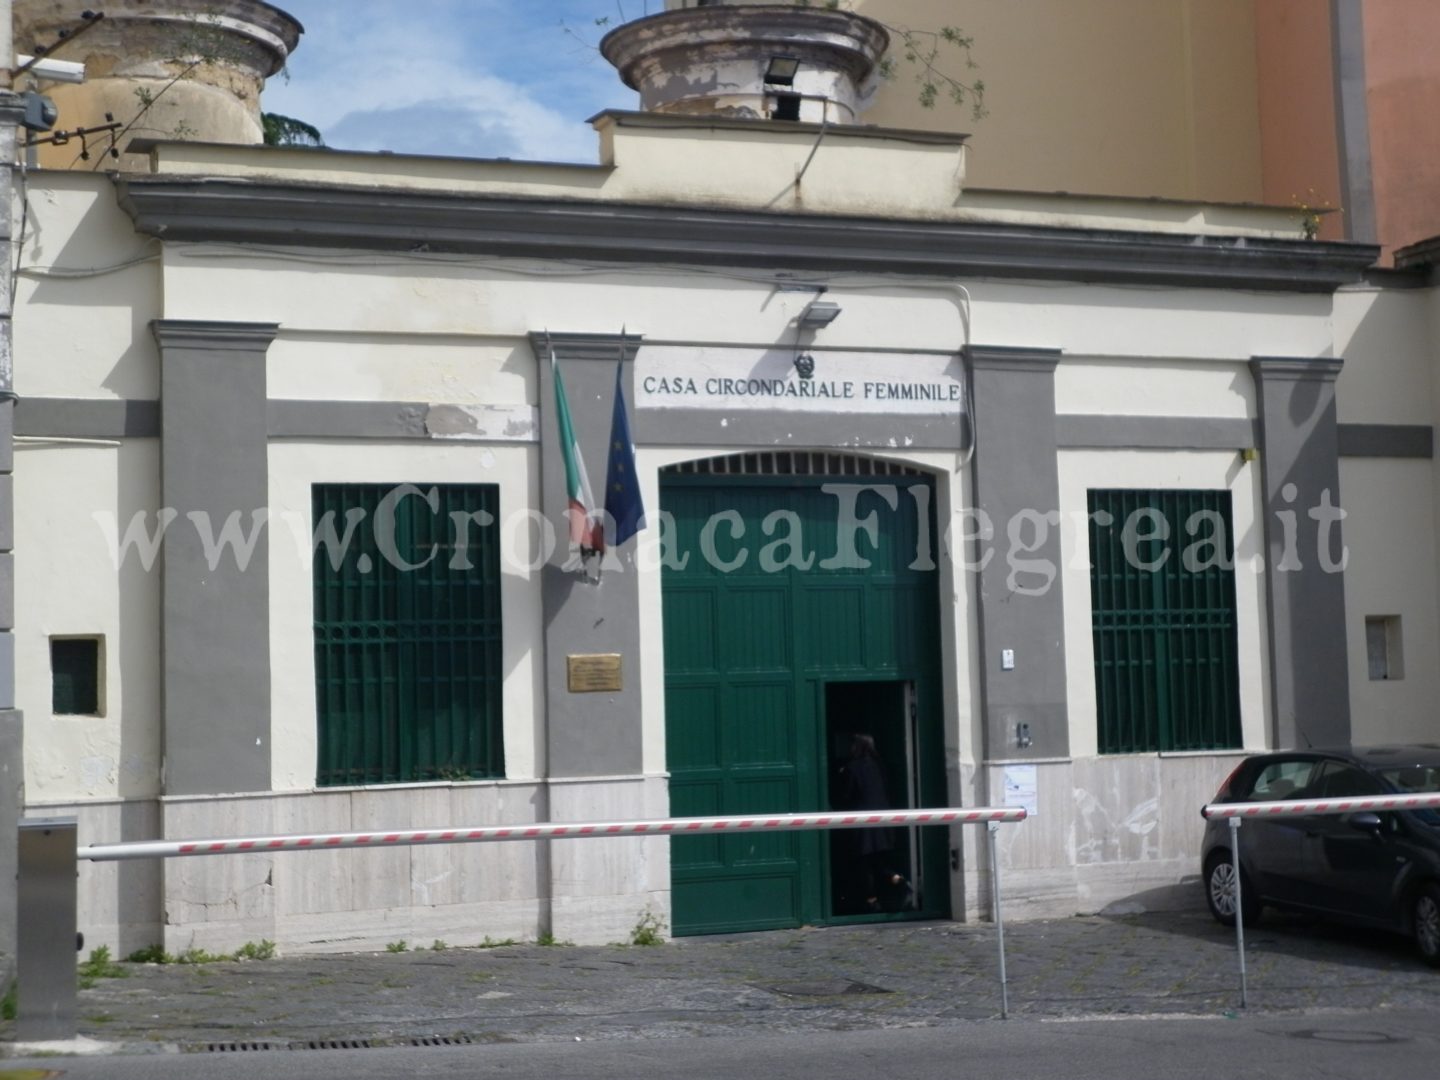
x=1220, y=891
x=1425, y=916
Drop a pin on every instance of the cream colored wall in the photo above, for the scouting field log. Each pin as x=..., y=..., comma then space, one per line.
x=1389, y=340
x=1132, y=97
x=1386, y=339
x=1192, y=388
x=66, y=584
x=1104, y=322
x=691, y=161
x=1390, y=542
x=86, y=291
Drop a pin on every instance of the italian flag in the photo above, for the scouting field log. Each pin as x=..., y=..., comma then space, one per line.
x=587, y=527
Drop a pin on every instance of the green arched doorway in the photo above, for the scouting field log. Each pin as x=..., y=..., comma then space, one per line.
x=801, y=606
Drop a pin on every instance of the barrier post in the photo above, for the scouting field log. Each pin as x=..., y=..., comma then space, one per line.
x=992, y=829
x=45, y=950
x=1239, y=904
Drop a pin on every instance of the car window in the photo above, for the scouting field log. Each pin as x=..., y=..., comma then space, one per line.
x=1338, y=780
x=1413, y=778
x=1282, y=779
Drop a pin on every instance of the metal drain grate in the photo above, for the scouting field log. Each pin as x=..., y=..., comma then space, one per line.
x=332, y=1044
x=237, y=1047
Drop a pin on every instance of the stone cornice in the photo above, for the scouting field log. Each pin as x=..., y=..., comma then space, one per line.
x=1011, y=358
x=1296, y=368
x=213, y=336
x=261, y=212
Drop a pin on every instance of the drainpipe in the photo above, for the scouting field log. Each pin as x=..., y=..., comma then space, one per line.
x=12, y=768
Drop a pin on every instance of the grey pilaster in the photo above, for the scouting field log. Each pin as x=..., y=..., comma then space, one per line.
x=1020, y=608
x=588, y=734
x=215, y=622
x=1305, y=590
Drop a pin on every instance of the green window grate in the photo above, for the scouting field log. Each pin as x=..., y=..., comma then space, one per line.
x=1162, y=594
x=408, y=663
x=75, y=676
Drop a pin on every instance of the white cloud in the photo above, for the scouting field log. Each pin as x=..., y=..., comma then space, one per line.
x=376, y=75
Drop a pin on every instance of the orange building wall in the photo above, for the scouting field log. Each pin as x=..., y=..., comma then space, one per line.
x=1402, y=71
x=1120, y=97
x=1297, y=107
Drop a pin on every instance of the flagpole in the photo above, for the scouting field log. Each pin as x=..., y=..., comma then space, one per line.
x=586, y=527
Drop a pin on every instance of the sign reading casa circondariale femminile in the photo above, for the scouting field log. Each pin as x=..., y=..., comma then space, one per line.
x=669, y=377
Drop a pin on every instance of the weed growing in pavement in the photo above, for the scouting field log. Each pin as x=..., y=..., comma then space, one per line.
x=99, y=966
x=156, y=954
x=649, y=929
x=264, y=949
x=197, y=955
x=493, y=943
x=397, y=946
x=549, y=939
x=439, y=946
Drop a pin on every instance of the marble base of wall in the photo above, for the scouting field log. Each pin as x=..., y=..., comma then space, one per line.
x=1117, y=833
x=585, y=891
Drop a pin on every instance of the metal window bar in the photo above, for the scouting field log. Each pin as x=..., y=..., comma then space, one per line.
x=791, y=463
x=407, y=661
x=1166, y=656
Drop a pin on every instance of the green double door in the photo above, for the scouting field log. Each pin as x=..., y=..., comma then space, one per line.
x=788, y=631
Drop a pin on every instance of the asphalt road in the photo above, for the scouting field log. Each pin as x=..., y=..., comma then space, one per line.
x=1315, y=1046
x=1151, y=995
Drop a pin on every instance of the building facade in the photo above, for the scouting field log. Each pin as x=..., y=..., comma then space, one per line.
x=1041, y=493
x=1282, y=102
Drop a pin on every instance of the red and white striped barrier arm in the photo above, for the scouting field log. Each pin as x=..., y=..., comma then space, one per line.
x=151, y=849
x=1305, y=807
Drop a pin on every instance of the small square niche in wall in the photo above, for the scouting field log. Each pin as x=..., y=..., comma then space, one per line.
x=1383, y=650
x=77, y=688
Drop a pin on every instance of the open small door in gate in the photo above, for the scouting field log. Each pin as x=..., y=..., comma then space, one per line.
x=860, y=868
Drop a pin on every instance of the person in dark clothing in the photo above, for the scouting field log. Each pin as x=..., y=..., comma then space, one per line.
x=862, y=787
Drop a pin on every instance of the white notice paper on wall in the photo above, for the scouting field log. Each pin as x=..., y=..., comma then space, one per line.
x=1020, y=789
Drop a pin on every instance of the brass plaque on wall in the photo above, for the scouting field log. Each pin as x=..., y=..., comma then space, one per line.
x=593, y=673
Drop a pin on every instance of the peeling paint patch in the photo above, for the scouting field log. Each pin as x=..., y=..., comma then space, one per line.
x=491, y=423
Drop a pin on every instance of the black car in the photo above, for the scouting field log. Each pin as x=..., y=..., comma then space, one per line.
x=1379, y=870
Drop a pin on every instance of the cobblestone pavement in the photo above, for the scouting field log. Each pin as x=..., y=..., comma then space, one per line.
x=895, y=975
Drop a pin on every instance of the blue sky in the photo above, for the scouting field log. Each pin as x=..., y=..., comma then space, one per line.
x=477, y=78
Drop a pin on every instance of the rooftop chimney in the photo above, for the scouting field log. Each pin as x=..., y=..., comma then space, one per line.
x=762, y=61
x=221, y=50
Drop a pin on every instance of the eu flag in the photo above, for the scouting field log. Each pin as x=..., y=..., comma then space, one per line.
x=623, y=503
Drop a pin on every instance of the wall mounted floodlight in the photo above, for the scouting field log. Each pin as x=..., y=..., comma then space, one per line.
x=782, y=69
x=819, y=313
x=61, y=71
